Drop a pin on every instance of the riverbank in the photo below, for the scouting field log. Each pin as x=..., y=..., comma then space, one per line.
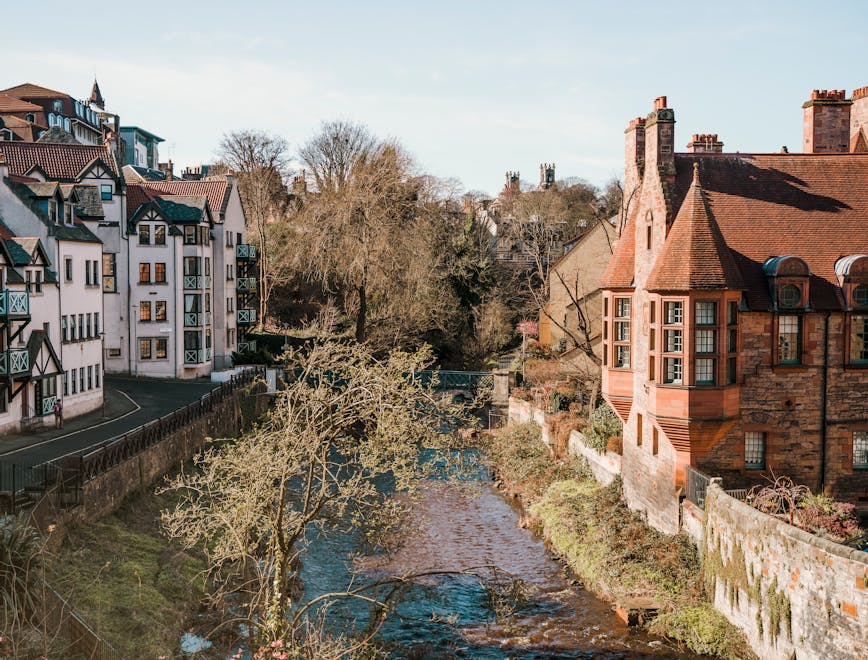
x=609, y=547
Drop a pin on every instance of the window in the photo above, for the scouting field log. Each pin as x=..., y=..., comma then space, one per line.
x=789, y=296
x=230, y=304
x=622, y=333
x=94, y=272
x=88, y=324
x=789, y=339
x=145, y=310
x=37, y=284
x=192, y=265
x=52, y=211
x=144, y=349
x=655, y=441
x=160, y=273
x=673, y=340
x=860, y=296
x=161, y=345
x=160, y=310
x=96, y=324
x=65, y=383
x=731, y=370
x=90, y=377
x=105, y=191
x=207, y=302
x=705, y=341
x=109, y=273
x=732, y=312
x=159, y=234
x=755, y=450
x=229, y=272
x=638, y=430
x=860, y=450
x=648, y=237
x=144, y=234
x=672, y=368
x=64, y=335
x=72, y=327
x=67, y=268
x=704, y=371
x=859, y=338
x=73, y=380
x=228, y=239
x=706, y=313
x=144, y=273
x=67, y=214
x=207, y=266
x=28, y=279
x=81, y=379
x=81, y=326
x=96, y=372
x=189, y=235
x=87, y=272
x=674, y=312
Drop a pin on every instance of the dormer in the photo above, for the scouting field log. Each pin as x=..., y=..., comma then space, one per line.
x=852, y=275
x=788, y=279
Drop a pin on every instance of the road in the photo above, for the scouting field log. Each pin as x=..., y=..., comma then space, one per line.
x=130, y=402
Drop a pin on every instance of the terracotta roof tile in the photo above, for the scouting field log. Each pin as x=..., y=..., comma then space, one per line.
x=619, y=272
x=12, y=104
x=58, y=161
x=695, y=255
x=807, y=205
x=33, y=91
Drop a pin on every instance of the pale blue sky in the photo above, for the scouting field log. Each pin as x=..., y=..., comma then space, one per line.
x=471, y=88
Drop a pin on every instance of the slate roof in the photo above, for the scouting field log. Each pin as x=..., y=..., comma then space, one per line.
x=216, y=190
x=58, y=161
x=695, y=255
x=75, y=232
x=89, y=202
x=174, y=208
x=765, y=205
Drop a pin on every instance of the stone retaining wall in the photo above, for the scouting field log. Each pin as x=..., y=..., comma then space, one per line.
x=604, y=466
x=794, y=595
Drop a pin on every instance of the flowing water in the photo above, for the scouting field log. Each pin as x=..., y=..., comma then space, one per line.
x=458, y=528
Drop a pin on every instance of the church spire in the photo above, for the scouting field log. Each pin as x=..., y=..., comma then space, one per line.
x=96, y=95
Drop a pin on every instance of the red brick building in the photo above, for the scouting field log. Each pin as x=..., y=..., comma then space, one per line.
x=736, y=310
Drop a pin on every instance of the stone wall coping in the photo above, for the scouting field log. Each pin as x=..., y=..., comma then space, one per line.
x=785, y=529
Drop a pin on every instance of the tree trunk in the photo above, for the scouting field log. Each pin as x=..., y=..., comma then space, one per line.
x=363, y=310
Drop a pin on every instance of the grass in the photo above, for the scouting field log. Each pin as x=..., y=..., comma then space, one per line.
x=134, y=587
x=610, y=547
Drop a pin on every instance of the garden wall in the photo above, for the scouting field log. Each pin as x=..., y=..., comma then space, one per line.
x=794, y=595
x=605, y=467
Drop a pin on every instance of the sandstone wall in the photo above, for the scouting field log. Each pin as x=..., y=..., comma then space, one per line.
x=605, y=467
x=794, y=595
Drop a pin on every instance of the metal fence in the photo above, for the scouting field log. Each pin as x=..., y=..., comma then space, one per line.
x=697, y=484
x=22, y=485
x=82, y=640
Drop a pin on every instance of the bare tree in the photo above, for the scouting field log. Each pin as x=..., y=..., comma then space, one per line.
x=260, y=162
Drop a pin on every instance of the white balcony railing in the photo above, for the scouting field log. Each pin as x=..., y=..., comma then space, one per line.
x=14, y=303
x=48, y=405
x=245, y=252
x=197, y=282
x=14, y=361
x=196, y=319
x=245, y=285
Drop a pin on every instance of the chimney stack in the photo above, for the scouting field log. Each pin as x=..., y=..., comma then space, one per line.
x=705, y=143
x=859, y=120
x=827, y=122
x=299, y=184
x=660, y=139
x=634, y=157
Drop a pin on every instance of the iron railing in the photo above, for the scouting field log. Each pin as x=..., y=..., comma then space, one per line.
x=14, y=303
x=245, y=285
x=14, y=361
x=245, y=252
x=197, y=282
x=697, y=485
x=22, y=485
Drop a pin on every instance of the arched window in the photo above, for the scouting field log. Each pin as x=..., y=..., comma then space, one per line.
x=66, y=125
x=852, y=275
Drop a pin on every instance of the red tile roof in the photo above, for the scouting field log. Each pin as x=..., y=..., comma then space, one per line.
x=619, y=272
x=11, y=104
x=695, y=255
x=33, y=91
x=807, y=205
x=58, y=161
x=216, y=190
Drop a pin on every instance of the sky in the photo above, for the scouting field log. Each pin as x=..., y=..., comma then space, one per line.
x=471, y=89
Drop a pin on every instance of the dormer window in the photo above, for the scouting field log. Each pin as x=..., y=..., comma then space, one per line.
x=852, y=275
x=30, y=117
x=860, y=295
x=67, y=213
x=58, y=106
x=52, y=210
x=789, y=296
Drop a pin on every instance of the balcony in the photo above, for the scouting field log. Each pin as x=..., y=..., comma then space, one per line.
x=245, y=285
x=47, y=406
x=246, y=317
x=247, y=346
x=197, y=282
x=14, y=362
x=196, y=319
x=245, y=252
x=14, y=304
x=197, y=356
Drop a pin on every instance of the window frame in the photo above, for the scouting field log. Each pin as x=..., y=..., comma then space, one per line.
x=799, y=333
x=760, y=449
x=860, y=445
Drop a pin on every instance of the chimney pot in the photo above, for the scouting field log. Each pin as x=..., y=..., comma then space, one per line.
x=660, y=103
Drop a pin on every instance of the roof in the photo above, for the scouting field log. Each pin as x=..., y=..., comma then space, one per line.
x=25, y=130
x=619, y=272
x=89, y=202
x=57, y=161
x=156, y=138
x=695, y=255
x=12, y=104
x=174, y=208
x=216, y=190
x=33, y=91
x=75, y=232
x=812, y=206
x=57, y=135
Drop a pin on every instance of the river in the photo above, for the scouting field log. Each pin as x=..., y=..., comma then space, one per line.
x=460, y=527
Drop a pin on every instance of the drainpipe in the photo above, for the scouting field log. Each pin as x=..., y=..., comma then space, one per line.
x=823, y=402
x=176, y=335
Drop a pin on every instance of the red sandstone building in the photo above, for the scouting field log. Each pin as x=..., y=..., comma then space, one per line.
x=736, y=310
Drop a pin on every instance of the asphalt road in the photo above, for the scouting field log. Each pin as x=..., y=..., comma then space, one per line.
x=131, y=402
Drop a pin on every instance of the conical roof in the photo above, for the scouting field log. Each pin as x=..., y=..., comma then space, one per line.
x=695, y=255
x=96, y=95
